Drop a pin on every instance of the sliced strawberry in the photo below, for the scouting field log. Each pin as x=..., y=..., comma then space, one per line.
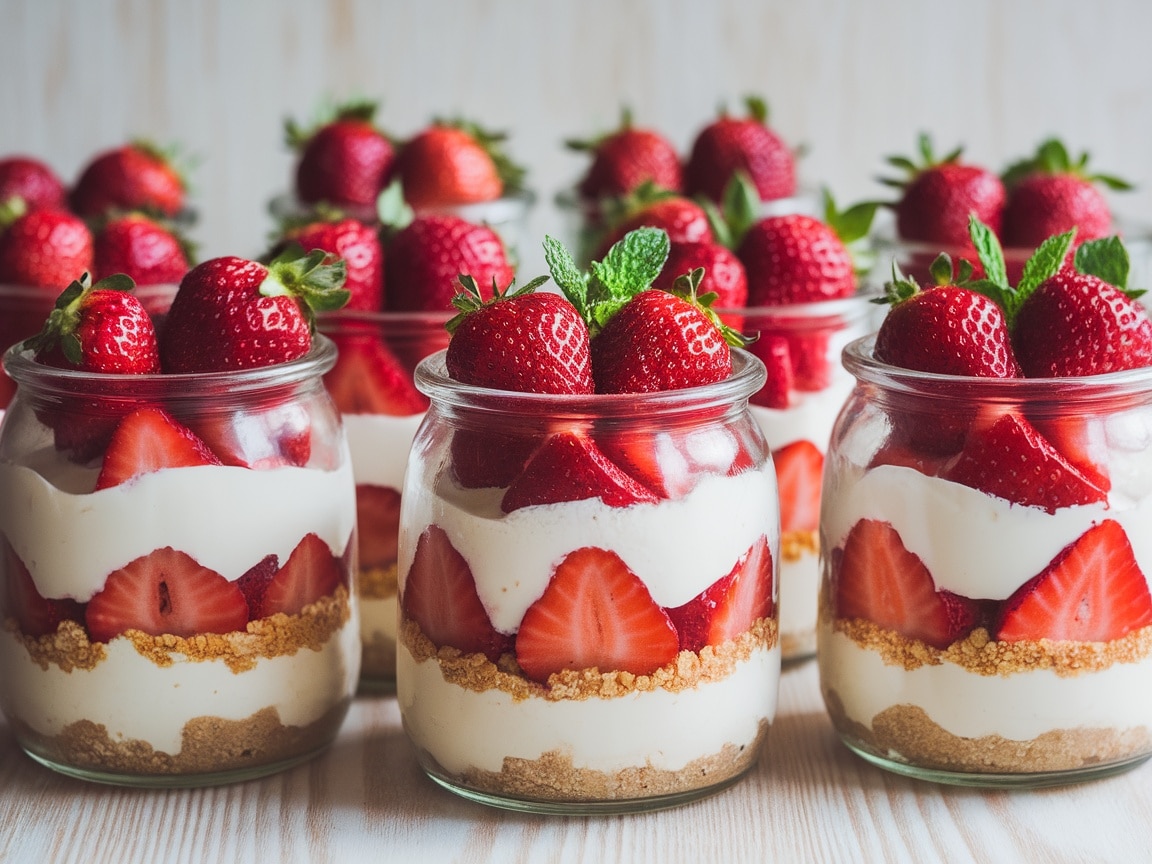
x=595, y=613
x=880, y=581
x=256, y=578
x=811, y=365
x=150, y=439
x=569, y=466
x=1093, y=591
x=670, y=462
x=731, y=605
x=483, y=458
x=799, y=474
x=274, y=437
x=166, y=592
x=1010, y=459
x=377, y=524
x=1080, y=440
x=774, y=351
x=311, y=572
x=369, y=379
x=440, y=595
x=35, y=614
x=896, y=452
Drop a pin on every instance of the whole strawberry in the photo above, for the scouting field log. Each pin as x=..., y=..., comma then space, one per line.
x=729, y=145
x=32, y=180
x=519, y=340
x=358, y=244
x=43, y=248
x=455, y=162
x=1051, y=193
x=345, y=160
x=142, y=248
x=232, y=313
x=681, y=218
x=723, y=274
x=624, y=159
x=136, y=176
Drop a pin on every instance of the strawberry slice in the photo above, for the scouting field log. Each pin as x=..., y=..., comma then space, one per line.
x=440, y=595
x=799, y=473
x=1080, y=440
x=369, y=379
x=730, y=605
x=483, y=458
x=165, y=592
x=773, y=350
x=311, y=572
x=880, y=581
x=150, y=439
x=1093, y=591
x=35, y=614
x=670, y=462
x=1011, y=460
x=896, y=452
x=255, y=580
x=378, y=524
x=569, y=466
x=595, y=613
x=274, y=437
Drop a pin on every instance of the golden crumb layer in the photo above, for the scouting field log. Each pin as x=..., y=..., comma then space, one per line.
x=377, y=583
x=794, y=545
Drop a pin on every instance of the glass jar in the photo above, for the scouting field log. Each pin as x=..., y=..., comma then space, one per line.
x=797, y=422
x=985, y=617
x=373, y=389
x=608, y=646
x=187, y=626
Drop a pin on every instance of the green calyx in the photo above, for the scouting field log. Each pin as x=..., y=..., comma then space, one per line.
x=470, y=299
x=12, y=209
x=911, y=168
x=687, y=286
x=313, y=279
x=296, y=136
x=1052, y=157
x=64, y=319
x=591, y=145
x=622, y=207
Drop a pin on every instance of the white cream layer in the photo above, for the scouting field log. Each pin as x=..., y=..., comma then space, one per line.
x=379, y=618
x=810, y=417
x=799, y=595
x=379, y=445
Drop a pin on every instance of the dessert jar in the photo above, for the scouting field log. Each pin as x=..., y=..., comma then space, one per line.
x=372, y=386
x=564, y=650
x=796, y=419
x=191, y=625
x=985, y=617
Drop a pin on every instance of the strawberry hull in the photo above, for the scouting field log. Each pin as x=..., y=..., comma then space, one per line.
x=985, y=618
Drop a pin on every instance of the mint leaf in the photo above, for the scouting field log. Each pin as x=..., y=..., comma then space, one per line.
x=573, y=283
x=1043, y=263
x=1106, y=259
x=989, y=252
x=633, y=263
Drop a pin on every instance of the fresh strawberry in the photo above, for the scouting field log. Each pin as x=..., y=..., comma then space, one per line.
x=311, y=572
x=626, y=158
x=33, y=181
x=879, y=580
x=424, y=260
x=147, y=440
x=681, y=218
x=354, y=242
x=1093, y=591
x=670, y=462
x=378, y=524
x=799, y=473
x=1079, y=438
x=35, y=614
x=938, y=196
x=773, y=351
x=136, y=176
x=439, y=594
x=1011, y=460
x=455, y=162
x=43, y=248
x=594, y=614
x=730, y=606
x=278, y=434
x=142, y=248
x=747, y=145
x=519, y=340
x=1050, y=193
x=165, y=592
x=369, y=379
x=569, y=466
x=255, y=580
x=486, y=458
x=723, y=273
x=345, y=160
x=232, y=313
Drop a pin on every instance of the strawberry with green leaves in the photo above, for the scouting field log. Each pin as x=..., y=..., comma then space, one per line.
x=625, y=159
x=453, y=162
x=648, y=206
x=42, y=248
x=344, y=159
x=33, y=181
x=354, y=242
x=142, y=248
x=136, y=176
x=723, y=273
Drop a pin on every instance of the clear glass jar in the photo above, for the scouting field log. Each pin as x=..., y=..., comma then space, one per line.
x=656, y=695
x=977, y=628
x=189, y=626
x=373, y=389
x=797, y=423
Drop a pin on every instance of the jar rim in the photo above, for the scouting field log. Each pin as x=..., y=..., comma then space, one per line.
x=859, y=304
x=329, y=320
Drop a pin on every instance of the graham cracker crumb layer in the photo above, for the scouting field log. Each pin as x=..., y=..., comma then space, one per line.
x=378, y=658
x=68, y=648
x=795, y=545
x=477, y=673
x=377, y=583
x=801, y=643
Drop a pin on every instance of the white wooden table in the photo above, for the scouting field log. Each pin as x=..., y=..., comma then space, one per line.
x=366, y=799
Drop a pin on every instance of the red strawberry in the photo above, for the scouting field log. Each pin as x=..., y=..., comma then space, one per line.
x=570, y=467
x=1080, y=439
x=1093, y=591
x=519, y=340
x=165, y=592
x=35, y=614
x=33, y=181
x=345, y=160
x=424, y=260
x=799, y=473
x=369, y=379
x=44, y=248
x=729, y=145
x=681, y=218
x=147, y=440
x=254, y=582
x=137, y=176
x=1050, y=193
x=232, y=313
x=1011, y=460
x=773, y=350
x=377, y=524
x=730, y=606
x=439, y=594
x=940, y=195
x=311, y=572
x=142, y=248
x=358, y=245
x=723, y=273
x=594, y=614
x=483, y=458
x=625, y=159
x=670, y=462
x=879, y=580
x=452, y=163
x=278, y=434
